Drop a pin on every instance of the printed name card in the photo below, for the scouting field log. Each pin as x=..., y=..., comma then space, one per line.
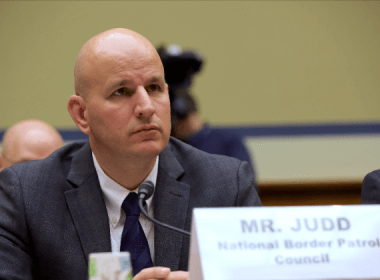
x=311, y=242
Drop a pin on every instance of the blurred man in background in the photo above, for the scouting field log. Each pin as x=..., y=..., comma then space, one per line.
x=28, y=140
x=180, y=68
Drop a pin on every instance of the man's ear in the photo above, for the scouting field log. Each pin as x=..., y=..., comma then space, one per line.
x=1, y=162
x=77, y=108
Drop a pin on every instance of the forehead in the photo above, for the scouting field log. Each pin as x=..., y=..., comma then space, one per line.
x=116, y=54
x=120, y=43
x=124, y=51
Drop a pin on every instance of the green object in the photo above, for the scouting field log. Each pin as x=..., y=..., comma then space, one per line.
x=92, y=268
x=130, y=276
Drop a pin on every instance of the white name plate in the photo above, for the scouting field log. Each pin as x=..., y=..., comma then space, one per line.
x=311, y=242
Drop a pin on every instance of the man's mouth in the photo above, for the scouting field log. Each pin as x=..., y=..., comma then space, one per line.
x=146, y=128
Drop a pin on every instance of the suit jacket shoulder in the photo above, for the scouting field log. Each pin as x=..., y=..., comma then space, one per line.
x=215, y=178
x=189, y=178
x=53, y=216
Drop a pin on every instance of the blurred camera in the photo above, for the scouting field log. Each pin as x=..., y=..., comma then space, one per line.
x=180, y=66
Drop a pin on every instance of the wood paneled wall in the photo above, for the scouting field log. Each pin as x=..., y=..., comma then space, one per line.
x=302, y=194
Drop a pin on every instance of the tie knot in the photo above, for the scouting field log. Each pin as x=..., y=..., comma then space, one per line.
x=131, y=205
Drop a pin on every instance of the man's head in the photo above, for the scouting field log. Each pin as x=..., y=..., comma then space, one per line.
x=121, y=99
x=28, y=140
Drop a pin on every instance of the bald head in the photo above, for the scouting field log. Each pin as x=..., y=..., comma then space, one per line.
x=28, y=140
x=103, y=47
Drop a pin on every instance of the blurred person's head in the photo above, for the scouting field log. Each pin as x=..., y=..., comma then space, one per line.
x=28, y=140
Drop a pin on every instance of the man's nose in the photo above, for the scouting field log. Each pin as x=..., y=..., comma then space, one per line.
x=144, y=105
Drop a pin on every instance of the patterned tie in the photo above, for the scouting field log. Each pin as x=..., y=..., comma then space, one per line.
x=133, y=239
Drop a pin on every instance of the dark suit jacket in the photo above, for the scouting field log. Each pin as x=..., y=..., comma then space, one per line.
x=371, y=188
x=53, y=214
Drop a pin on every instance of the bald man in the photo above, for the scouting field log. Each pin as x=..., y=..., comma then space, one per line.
x=28, y=140
x=57, y=211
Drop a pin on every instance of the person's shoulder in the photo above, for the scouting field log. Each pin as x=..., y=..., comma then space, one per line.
x=372, y=180
x=188, y=155
x=370, y=193
x=60, y=157
x=374, y=174
x=45, y=178
x=224, y=180
x=225, y=135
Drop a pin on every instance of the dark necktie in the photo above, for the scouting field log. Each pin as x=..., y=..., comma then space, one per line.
x=133, y=239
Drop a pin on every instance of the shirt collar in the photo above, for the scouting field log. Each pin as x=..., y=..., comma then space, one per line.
x=114, y=193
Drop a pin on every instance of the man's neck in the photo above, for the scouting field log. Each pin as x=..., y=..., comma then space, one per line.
x=127, y=173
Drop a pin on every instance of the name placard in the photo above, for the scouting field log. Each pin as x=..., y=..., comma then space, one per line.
x=311, y=242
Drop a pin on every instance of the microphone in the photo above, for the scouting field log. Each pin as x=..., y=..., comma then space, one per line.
x=146, y=190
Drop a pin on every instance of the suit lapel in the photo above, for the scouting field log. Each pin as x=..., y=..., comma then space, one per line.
x=89, y=213
x=86, y=204
x=171, y=199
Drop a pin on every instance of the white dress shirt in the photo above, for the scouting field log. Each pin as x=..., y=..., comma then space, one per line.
x=114, y=195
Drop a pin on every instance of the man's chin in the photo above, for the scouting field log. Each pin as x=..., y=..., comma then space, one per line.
x=149, y=148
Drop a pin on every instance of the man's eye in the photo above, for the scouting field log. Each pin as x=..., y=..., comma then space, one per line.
x=122, y=91
x=153, y=88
